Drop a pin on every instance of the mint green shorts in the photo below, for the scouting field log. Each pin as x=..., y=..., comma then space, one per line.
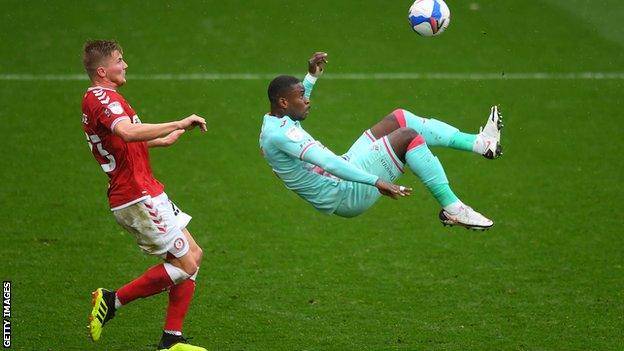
x=377, y=158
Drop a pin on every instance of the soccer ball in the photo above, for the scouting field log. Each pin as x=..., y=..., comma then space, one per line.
x=429, y=17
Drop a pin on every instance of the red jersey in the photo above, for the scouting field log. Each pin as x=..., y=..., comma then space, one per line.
x=126, y=164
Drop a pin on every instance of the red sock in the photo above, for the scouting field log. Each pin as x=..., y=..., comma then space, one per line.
x=152, y=282
x=180, y=297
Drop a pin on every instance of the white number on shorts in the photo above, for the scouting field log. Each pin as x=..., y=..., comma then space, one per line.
x=94, y=140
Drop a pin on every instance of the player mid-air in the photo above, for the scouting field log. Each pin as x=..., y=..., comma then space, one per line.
x=119, y=142
x=349, y=184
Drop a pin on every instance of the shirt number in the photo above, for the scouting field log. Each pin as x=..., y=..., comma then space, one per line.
x=94, y=140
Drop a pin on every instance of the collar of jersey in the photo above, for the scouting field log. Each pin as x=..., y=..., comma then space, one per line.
x=99, y=87
x=284, y=116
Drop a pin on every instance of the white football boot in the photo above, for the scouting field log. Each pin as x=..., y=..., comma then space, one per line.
x=490, y=135
x=466, y=217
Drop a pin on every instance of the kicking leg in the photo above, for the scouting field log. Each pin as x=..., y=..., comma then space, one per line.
x=412, y=149
x=438, y=133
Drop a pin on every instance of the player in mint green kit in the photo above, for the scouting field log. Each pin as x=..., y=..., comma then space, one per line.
x=349, y=184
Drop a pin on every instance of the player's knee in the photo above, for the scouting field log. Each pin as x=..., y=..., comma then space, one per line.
x=190, y=267
x=190, y=270
x=399, y=116
x=199, y=254
x=407, y=134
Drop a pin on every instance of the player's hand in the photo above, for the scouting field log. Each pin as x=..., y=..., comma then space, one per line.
x=392, y=190
x=193, y=121
x=172, y=137
x=316, y=64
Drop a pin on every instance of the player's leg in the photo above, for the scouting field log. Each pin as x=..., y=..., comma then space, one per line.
x=159, y=226
x=153, y=281
x=155, y=225
x=412, y=149
x=180, y=296
x=438, y=133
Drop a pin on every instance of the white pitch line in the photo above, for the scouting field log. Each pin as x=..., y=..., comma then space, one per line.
x=335, y=76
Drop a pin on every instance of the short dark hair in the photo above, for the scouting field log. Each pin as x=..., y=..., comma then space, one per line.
x=96, y=51
x=279, y=86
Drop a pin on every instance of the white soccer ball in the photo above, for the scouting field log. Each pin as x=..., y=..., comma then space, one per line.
x=429, y=17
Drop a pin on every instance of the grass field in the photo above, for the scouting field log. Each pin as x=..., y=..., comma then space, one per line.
x=276, y=274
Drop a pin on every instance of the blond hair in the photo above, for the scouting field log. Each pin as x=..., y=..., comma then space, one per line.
x=95, y=52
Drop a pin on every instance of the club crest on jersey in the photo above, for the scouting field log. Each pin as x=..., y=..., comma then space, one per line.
x=115, y=107
x=107, y=112
x=294, y=134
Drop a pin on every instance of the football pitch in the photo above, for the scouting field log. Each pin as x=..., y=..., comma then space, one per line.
x=276, y=274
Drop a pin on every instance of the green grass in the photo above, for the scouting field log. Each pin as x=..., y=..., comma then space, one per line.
x=276, y=274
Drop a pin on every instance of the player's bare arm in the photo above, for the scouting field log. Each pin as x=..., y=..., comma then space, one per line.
x=131, y=132
x=168, y=140
x=193, y=121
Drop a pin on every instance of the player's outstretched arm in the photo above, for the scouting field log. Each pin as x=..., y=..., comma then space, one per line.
x=131, y=132
x=339, y=167
x=316, y=67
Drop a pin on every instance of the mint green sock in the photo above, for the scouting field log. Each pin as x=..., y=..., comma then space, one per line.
x=438, y=133
x=443, y=193
x=429, y=169
x=462, y=141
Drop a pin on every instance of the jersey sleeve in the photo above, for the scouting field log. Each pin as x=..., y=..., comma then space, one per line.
x=294, y=143
x=337, y=166
x=110, y=111
x=308, y=84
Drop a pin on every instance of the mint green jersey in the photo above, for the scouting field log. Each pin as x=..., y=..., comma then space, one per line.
x=304, y=165
x=284, y=143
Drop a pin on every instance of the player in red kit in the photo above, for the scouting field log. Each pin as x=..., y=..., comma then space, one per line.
x=120, y=143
